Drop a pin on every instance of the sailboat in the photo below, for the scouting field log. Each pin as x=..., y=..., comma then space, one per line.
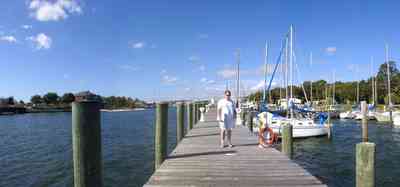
x=303, y=124
x=385, y=116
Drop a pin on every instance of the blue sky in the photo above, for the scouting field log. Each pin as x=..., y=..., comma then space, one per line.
x=183, y=49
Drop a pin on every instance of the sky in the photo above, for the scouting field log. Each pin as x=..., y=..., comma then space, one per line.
x=164, y=49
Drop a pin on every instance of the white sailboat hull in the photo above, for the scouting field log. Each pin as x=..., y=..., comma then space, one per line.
x=302, y=128
x=346, y=115
x=396, y=120
x=385, y=116
x=303, y=132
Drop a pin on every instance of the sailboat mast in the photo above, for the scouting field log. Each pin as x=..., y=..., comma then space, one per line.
x=372, y=81
x=281, y=79
x=358, y=91
x=265, y=71
x=287, y=75
x=238, y=80
x=311, y=94
x=333, y=88
x=291, y=68
x=388, y=74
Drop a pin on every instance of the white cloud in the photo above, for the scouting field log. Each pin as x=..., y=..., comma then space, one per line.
x=202, y=36
x=163, y=71
x=260, y=85
x=202, y=68
x=169, y=79
x=261, y=69
x=41, y=41
x=129, y=67
x=46, y=10
x=66, y=76
x=330, y=50
x=194, y=59
x=227, y=73
x=138, y=45
x=10, y=39
x=207, y=81
x=26, y=26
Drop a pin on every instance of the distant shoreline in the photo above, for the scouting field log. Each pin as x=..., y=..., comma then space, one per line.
x=123, y=110
x=57, y=110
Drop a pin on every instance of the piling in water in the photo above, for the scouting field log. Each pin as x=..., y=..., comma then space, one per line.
x=86, y=141
x=287, y=140
x=364, y=111
x=365, y=164
x=180, y=128
x=160, y=142
x=190, y=115
x=243, y=116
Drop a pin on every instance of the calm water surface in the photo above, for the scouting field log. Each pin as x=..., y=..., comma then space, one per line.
x=35, y=150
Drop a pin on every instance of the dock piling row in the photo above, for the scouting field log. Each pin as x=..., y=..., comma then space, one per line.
x=161, y=134
x=287, y=140
x=180, y=128
x=86, y=142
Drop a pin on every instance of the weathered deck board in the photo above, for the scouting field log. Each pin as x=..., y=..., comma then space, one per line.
x=199, y=161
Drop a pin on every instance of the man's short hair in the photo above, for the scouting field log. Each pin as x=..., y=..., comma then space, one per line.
x=227, y=92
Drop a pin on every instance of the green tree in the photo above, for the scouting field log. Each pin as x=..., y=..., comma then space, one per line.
x=51, y=98
x=36, y=99
x=68, y=98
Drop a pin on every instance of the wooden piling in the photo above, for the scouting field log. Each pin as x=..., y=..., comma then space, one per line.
x=190, y=115
x=287, y=140
x=160, y=143
x=198, y=112
x=250, y=121
x=243, y=116
x=180, y=128
x=329, y=125
x=194, y=113
x=365, y=164
x=86, y=141
x=364, y=110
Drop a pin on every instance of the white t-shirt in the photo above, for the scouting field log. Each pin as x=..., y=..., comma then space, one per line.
x=227, y=109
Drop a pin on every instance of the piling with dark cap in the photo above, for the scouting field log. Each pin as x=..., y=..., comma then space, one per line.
x=189, y=111
x=287, y=140
x=329, y=125
x=86, y=141
x=161, y=134
x=243, y=116
x=364, y=110
x=365, y=164
x=180, y=128
x=250, y=121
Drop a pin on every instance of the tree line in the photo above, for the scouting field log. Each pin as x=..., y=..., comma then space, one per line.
x=345, y=92
x=112, y=102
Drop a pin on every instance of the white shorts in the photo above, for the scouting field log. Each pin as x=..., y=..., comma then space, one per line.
x=226, y=125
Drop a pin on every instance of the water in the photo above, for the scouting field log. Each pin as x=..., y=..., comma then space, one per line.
x=333, y=161
x=35, y=150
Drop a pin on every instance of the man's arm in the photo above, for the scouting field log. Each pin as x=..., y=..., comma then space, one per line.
x=219, y=112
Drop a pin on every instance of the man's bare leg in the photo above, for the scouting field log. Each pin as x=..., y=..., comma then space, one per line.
x=222, y=137
x=229, y=133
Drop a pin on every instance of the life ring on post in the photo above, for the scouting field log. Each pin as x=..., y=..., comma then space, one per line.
x=273, y=137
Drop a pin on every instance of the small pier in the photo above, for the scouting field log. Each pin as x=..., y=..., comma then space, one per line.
x=199, y=161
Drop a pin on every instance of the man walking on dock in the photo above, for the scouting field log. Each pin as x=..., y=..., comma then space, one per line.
x=226, y=115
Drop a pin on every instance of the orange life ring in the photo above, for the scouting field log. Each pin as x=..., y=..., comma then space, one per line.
x=273, y=137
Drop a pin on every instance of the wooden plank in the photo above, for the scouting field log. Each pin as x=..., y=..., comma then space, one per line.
x=199, y=161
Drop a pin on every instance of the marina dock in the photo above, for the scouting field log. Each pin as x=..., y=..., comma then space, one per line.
x=198, y=160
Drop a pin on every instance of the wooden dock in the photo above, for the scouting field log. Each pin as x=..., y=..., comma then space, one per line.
x=199, y=161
